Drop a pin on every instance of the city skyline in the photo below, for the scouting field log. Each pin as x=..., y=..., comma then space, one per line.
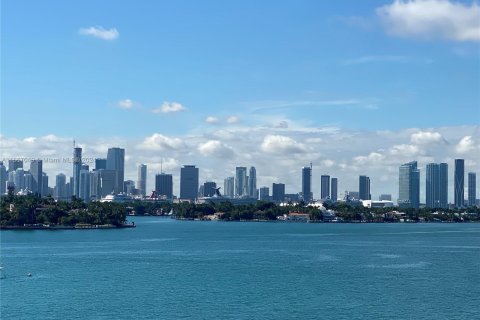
x=347, y=86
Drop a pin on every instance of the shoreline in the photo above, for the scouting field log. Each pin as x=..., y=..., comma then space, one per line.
x=61, y=227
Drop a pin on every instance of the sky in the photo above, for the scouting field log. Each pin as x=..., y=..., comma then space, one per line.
x=355, y=87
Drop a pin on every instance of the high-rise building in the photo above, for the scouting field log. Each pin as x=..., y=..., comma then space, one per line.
x=142, y=179
x=84, y=184
x=409, y=185
x=28, y=181
x=14, y=165
x=209, y=189
x=3, y=178
x=240, y=181
x=188, y=182
x=116, y=161
x=307, y=184
x=60, y=187
x=229, y=187
x=128, y=186
x=459, y=183
x=252, y=183
x=433, y=186
x=264, y=194
x=164, y=185
x=19, y=179
x=324, y=186
x=36, y=172
x=278, y=192
x=334, y=189
x=105, y=182
x=100, y=163
x=472, y=188
x=364, y=188
x=77, y=166
x=45, y=188
x=443, y=186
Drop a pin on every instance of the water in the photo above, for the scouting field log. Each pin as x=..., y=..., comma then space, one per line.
x=167, y=269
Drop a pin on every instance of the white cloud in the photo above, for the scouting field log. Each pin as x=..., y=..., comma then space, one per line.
x=158, y=141
x=405, y=150
x=426, y=137
x=100, y=32
x=211, y=120
x=215, y=148
x=465, y=145
x=368, y=59
x=432, y=19
x=232, y=119
x=126, y=104
x=169, y=107
x=281, y=145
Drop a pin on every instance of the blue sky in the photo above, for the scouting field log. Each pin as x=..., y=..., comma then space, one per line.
x=309, y=78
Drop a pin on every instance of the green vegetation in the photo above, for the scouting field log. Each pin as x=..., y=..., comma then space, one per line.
x=31, y=209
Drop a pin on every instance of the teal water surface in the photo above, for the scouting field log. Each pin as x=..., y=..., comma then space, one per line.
x=168, y=269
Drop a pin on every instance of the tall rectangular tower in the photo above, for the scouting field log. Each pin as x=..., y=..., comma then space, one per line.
x=189, y=182
x=325, y=186
x=459, y=183
x=116, y=161
x=472, y=188
x=409, y=185
x=307, y=184
x=364, y=188
x=334, y=189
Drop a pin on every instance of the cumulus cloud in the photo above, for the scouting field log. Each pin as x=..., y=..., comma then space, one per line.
x=215, y=148
x=126, y=104
x=426, y=137
x=100, y=33
x=169, y=107
x=158, y=141
x=211, y=119
x=405, y=150
x=281, y=145
x=232, y=119
x=465, y=145
x=432, y=19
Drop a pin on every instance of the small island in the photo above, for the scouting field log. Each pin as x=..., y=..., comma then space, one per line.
x=33, y=212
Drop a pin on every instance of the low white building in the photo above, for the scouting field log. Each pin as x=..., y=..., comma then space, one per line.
x=377, y=203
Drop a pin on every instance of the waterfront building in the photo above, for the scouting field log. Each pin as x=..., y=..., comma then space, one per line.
x=77, y=166
x=436, y=185
x=60, y=187
x=14, y=165
x=459, y=183
x=324, y=187
x=164, y=185
x=443, y=186
x=278, y=192
x=229, y=187
x=116, y=161
x=252, y=183
x=385, y=197
x=472, y=188
x=334, y=189
x=100, y=163
x=36, y=172
x=3, y=178
x=409, y=185
x=240, y=182
x=84, y=184
x=307, y=184
x=142, y=179
x=209, y=188
x=264, y=194
x=189, y=182
x=364, y=188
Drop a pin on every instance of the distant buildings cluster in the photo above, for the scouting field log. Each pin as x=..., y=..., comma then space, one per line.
x=108, y=177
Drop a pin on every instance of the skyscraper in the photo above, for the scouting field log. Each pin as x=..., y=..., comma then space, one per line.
x=164, y=185
x=36, y=171
x=264, y=194
x=409, y=185
x=14, y=165
x=334, y=189
x=19, y=179
x=324, y=186
x=432, y=185
x=459, y=183
x=472, y=188
x=106, y=180
x=240, y=181
x=77, y=166
x=3, y=178
x=116, y=161
x=60, y=187
x=278, y=192
x=229, y=187
x=142, y=179
x=84, y=184
x=188, y=182
x=443, y=186
x=209, y=189
x=100, y=163
x=45, y=188
x=307, y=184
x=364, y=188
x=252, y=183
